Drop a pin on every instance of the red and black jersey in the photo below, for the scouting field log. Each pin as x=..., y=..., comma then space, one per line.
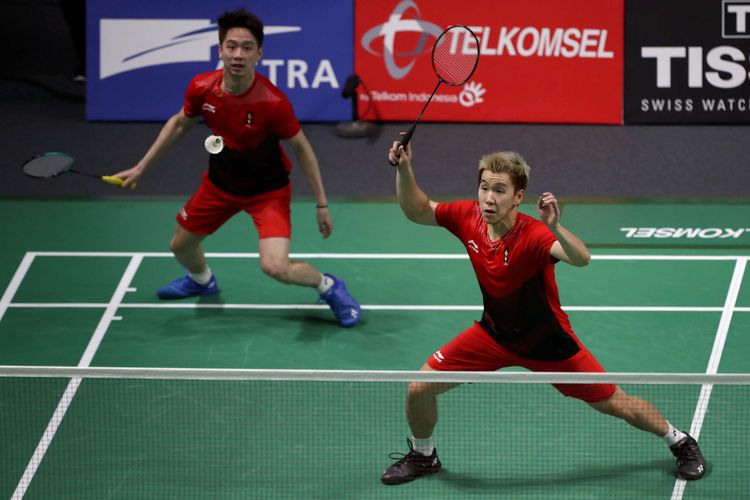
x=516, y=275
x=251, y=124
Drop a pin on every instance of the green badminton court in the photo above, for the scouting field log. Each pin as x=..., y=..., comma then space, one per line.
x=667, y=292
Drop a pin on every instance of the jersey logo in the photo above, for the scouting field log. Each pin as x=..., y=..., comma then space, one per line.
x=473, y=245
x=506, y=254
x=183, y=214
x=208, y=107
x=249, y=118
x=438, y=356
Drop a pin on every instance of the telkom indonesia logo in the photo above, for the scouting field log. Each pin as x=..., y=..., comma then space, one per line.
x=472, y=92
x=129, y=44
x=391, y=28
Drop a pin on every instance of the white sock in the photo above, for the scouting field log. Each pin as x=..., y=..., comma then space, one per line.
x=673, y=435
x=202, y=278
x=423, y=446
x=325, y=284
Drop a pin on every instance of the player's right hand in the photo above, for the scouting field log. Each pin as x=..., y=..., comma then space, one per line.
x=398, y=155
x=129, y=176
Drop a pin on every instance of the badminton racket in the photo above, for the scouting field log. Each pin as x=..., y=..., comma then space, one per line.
x=455, y=56
x=48, y=165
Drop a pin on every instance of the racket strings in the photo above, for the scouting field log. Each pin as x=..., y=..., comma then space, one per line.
x=455, y=55
x=454, y=58
x=48, y=165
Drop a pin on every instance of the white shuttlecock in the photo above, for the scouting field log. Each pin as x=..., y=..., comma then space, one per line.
x=214, y=144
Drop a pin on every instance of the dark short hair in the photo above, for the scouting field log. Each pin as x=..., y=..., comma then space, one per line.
x=240, y=18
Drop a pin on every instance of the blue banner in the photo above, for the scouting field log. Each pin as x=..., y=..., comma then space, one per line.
x=142, y=55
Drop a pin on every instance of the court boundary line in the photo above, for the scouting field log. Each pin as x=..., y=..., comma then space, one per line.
x=717, y=350
x=367, y=307
x=66, y=399
x=367, y=256
x=6, y=301
x=15, y=283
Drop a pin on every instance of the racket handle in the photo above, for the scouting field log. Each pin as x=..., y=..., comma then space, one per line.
x=115, y=181
x=405, y=139
x=407, y=136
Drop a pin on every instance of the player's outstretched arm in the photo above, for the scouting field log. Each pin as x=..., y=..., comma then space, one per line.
x=415, y=204
x=568, y=248
x=171, y=133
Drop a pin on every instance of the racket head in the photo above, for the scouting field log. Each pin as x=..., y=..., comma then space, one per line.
x=455, y=55
x=48, y=165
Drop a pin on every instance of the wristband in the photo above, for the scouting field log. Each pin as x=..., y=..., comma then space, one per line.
x=321, y=206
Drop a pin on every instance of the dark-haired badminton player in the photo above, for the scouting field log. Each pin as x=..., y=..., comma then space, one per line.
x=250, y=174
x=513, y=256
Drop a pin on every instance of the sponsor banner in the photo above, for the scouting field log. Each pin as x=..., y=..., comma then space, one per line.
x=660, y=225
x=541, y=60
x=694, y=72
x=686, y=233
x=142, y=55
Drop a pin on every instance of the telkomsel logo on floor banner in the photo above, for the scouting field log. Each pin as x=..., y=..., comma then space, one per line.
x=703, y=233
x=697, y=71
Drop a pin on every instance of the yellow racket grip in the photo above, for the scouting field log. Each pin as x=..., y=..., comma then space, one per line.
x=115, y=181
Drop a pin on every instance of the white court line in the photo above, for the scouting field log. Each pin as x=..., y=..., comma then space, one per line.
x=714, y=360
x=668, y=257
x=427, y=256
x=70, y=391
x=255, y=255
x=58, y=305
x=15, y=282
x=368, y=307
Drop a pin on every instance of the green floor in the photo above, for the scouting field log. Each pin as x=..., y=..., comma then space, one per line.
x=169, y=439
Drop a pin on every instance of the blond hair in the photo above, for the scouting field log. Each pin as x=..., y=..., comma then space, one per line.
x=508, y=162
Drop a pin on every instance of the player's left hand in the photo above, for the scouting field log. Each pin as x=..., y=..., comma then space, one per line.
x=548, y=209
x=325, y=223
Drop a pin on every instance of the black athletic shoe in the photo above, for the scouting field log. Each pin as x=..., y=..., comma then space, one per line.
x=690, y=463
x=410, y=466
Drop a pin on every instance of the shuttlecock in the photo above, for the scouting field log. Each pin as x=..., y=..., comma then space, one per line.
x=214, y=144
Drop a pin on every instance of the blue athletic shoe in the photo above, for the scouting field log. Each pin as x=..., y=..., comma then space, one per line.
x=187, y=287
x=343, y=305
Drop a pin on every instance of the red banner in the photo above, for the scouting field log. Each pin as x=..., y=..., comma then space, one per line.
x=541, y=60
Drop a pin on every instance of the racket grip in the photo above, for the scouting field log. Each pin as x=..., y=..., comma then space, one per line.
x=407, y=136
x=405, y=139
x=115, y=181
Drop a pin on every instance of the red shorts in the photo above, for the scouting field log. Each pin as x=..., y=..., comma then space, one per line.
x=210, y=207
x=475, y=350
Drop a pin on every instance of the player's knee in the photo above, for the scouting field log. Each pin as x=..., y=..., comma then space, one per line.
x=419, y=390
x=177, y=245
x=620, y=405
x=607, y=408
x=611, y=406
x=275, y=269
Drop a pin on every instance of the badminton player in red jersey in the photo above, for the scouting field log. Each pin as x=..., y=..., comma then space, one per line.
x=250, y=174
x=514, y=257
